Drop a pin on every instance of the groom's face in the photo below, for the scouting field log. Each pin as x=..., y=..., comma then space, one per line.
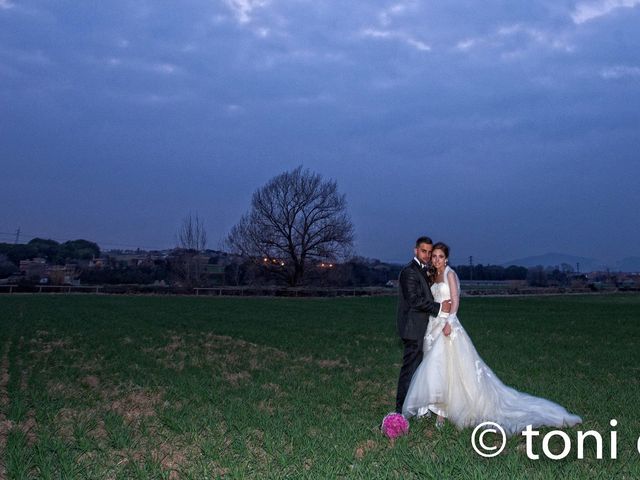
x=423, y=252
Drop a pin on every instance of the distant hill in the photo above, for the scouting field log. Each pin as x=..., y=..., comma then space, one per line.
x=628, y=264
x=553, y=259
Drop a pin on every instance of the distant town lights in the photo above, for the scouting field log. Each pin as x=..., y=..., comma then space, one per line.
x=273, y=261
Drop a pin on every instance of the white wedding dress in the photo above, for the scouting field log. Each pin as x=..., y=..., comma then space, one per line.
x=454, y=382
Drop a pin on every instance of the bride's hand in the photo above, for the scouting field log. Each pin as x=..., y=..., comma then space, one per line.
x=447, y=329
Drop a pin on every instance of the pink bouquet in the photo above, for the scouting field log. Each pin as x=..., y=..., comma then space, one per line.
x=394, y=425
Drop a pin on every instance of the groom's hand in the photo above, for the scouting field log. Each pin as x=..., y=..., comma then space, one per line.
x=446, y=306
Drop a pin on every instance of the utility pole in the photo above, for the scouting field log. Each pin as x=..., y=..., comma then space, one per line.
x=577, y=267
x=470, y=267
x=17, y=236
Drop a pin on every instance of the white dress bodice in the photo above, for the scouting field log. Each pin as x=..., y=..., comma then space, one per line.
x=440, y=292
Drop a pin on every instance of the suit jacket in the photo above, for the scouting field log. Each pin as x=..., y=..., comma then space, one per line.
x=415, y=303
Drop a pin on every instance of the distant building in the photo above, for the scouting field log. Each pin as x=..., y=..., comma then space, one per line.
x=98, y=263
x=34, y=267
x=61, y=275
x=134, y=259
x=628, y=281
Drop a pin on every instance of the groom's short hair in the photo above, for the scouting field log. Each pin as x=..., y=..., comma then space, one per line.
x=426, y=240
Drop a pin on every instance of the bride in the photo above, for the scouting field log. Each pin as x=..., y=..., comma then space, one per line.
x=454, y=382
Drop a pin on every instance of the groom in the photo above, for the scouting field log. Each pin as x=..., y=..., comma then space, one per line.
x=415, y=305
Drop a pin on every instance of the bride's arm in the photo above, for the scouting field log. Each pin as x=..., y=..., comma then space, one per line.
x=452, y=280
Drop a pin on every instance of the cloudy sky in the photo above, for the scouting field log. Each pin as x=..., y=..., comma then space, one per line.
x=505, y=128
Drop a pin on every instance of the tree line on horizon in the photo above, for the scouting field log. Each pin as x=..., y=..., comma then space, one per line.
x=297, y=231
x=187, y=268
x=236, y=270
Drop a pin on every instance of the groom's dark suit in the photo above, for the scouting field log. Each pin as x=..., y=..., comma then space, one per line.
x=415, y=304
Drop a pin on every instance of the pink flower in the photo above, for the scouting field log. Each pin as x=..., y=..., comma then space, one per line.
x=394, y=425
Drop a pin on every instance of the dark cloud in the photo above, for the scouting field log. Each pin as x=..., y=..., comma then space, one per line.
x=507, y=131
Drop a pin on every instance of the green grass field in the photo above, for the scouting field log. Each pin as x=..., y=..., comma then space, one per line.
x=183, y=387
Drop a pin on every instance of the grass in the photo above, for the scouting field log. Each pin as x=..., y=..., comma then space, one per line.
x=182, y=387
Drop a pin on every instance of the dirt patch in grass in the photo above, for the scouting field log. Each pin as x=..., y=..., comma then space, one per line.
x=226, y=343
x=100, y=431
x=41, y=346
x=225, y=356
x=366, y=386
x=132, y=406
x=274, y=388
x=255, y=446
x=4, y=376
x=66, y=391
x=267, y=407
x=219, y=471
x=324, y=363
x=172, y=458
x=330, y=363
x=93, y=364
x=5, y=425
x=176, y=343
x=57, y=388
x=137, y=405
x=90, y=381
x=29, y=427
x=4, y=396
x=173, y=354
x=363, y=448
x=255, y=364
x=236, y=378
x=65, y=420
x=231, y=358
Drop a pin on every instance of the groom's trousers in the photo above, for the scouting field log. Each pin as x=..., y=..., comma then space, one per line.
x=411, y=358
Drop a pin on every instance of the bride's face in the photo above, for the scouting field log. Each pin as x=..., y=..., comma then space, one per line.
x=438, y=259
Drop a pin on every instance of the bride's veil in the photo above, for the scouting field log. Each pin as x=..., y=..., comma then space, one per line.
x=446, y=279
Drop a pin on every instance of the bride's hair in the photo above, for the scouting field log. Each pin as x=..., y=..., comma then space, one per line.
x=432, y=272
x=441, y=246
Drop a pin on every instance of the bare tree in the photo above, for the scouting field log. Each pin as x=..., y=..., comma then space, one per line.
x=191, y=239
x=296, y=219
x=192, y=234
